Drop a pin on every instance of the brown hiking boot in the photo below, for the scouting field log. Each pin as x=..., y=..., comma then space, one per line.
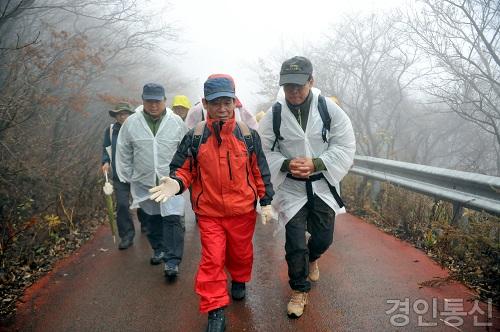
x=314, y=271
x=297, y=303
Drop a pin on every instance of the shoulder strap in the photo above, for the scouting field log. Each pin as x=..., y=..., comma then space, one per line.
x=247, y=136
x=111, y=133
x=325, y=117
x=276, y=123
x=200, y=126
x=197, y=135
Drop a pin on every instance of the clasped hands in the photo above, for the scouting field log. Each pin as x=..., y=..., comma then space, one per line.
x=301, y=167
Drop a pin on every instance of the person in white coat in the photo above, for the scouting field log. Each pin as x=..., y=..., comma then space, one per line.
x=146, y=145
x=307, y=162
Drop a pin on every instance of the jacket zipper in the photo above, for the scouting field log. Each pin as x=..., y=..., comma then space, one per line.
x=229, y=165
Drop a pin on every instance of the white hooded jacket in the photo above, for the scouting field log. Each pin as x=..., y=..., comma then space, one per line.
x=142, y=158
x=337, y=154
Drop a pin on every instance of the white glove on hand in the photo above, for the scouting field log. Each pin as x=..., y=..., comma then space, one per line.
x=167, y=188
x=266, y=213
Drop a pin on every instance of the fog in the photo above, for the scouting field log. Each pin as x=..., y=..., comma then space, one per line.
x=229, y=36
x=419, y=84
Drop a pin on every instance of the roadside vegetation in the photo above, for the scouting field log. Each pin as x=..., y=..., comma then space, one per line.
x=470, y=249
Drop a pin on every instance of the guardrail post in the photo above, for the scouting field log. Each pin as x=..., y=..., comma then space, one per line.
x=458, y=211
x=375, y=190
x=361, y=190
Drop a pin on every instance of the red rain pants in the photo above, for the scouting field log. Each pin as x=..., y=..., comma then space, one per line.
x=225, y=242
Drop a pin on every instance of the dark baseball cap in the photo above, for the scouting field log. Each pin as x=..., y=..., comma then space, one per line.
x=296, y=70
x=153, y=91
x=218, y=87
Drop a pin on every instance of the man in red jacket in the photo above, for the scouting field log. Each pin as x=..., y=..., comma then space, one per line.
x=223, y=161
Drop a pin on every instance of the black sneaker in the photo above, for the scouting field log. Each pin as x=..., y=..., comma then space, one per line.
x=238, y=290
x=125, y=243
x=171, y=272
x=157, y=258
x=216, y=320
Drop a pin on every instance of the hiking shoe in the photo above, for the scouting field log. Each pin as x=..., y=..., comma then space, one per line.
x=125, y=243
x=171, y=271
x=216, y=320
x=314, y=271
x=157, y=258
x=295, y=307
x=238, y=290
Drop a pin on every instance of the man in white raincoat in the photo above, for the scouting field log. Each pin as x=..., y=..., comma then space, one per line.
x=307, y=162
x=146, y=144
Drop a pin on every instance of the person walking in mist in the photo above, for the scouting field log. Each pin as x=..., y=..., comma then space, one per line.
x=126, y=230
x=146, y=144
x=223, y=161
x=309, y=144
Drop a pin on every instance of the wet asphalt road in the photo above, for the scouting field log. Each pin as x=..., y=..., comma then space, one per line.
x=100, y=288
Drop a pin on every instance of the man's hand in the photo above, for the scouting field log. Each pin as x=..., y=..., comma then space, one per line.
x=266, y=214
x=167, y=188
x=301, y=167
x=105, y=168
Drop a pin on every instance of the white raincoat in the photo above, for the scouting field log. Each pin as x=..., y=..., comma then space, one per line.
x=142, y=158
x=337, y=154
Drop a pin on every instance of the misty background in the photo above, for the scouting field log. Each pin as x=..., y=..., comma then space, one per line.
x=420, y=81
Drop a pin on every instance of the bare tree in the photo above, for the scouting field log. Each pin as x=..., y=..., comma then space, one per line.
x=365, y=62
x=462, y=41
x=58, y=58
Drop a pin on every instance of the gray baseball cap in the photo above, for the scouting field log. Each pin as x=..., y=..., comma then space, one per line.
x=153, y=91
x=296, y=70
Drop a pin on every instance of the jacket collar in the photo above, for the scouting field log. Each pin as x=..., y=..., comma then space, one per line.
x=227, y=127
x=149, y=118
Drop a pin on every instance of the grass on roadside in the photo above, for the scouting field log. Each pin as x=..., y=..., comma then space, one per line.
x=470, y=249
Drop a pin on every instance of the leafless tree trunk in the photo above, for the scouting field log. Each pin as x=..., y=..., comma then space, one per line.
x=462, y=41
x=366, y=64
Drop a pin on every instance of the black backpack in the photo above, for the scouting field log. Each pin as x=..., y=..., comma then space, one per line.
x=323, y=112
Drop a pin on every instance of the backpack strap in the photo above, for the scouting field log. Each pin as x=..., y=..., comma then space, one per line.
x=325, y=117
x=111, y=133
x=108, y=148
x=247, y=136
x=197, y=137
x=323, y=112
x=276, y=123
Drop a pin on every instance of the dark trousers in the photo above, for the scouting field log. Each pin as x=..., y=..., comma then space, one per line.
x=318, y=219
x=124, y=221
x=165, y=234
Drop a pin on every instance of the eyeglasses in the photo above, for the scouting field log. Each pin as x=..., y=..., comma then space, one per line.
x=293, y=87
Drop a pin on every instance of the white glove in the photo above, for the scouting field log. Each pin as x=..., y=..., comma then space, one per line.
x=167, y=188
x=266, y=213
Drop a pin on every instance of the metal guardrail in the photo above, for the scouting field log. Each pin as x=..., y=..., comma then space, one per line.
x=463, y=189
